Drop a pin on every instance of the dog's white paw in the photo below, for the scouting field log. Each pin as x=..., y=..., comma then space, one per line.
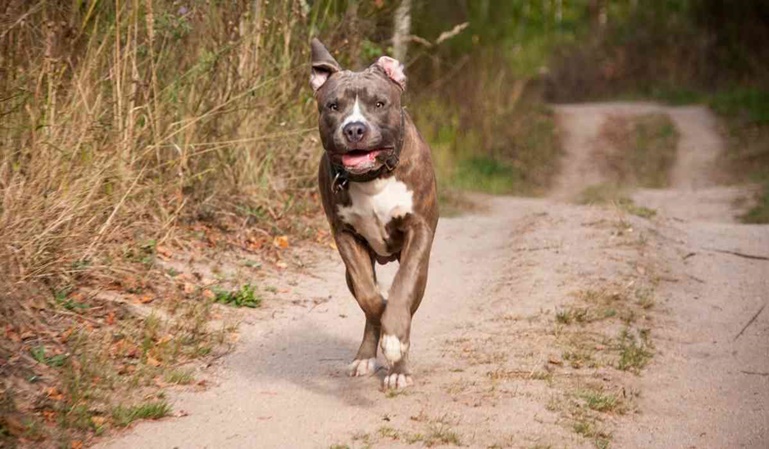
x=362, y=367
x=393, y=349
x=396, y=381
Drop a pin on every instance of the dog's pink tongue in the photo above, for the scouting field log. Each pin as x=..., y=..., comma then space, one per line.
x=358, y=158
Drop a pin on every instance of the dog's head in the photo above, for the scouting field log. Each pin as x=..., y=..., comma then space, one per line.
x=360, y=117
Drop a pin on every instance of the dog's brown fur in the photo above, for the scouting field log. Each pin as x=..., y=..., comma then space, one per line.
x=408, y=238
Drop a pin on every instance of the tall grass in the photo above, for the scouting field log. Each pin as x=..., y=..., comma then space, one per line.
x=120, y=117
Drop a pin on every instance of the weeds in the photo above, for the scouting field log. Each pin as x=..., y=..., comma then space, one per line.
x=634, y=352
x=124, y=416
x=245, y=296
x=609, y=193
x=179, y=377
x=601, y=402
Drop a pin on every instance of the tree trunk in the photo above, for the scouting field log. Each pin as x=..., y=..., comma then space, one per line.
x=402, y=30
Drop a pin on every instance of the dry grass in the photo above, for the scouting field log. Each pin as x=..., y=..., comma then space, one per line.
x=119, y=121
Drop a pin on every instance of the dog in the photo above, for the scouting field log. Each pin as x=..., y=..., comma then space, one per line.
x=378, y=189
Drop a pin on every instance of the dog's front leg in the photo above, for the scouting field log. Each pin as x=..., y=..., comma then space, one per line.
x=361, y=281
x=405, y=296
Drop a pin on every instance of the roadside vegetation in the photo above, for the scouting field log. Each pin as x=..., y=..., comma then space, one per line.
x=682, y=53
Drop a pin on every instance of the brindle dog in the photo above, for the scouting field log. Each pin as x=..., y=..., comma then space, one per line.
x=378, y=189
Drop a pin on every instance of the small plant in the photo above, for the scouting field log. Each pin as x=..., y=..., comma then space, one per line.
x=389, y=432
x=245, y=296
x=54, y=361
x=179, y=377
x=635, y=352
x=601, y=402
x=442, y=434
x=124, y=416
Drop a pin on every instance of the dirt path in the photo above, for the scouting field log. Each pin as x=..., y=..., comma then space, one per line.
x=498, y=360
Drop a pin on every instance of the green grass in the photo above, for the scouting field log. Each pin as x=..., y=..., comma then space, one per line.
x=54, y=361
x=245, y=296
x=601, y=402
x=521, y=158
x=751, y=105
x=634, y=352
x=179, y=377
x=583, y=315
x=609, y=193
x=124, y=416
x=485, y=174
x=759, y=213
x=590, y=430
x=745, y=112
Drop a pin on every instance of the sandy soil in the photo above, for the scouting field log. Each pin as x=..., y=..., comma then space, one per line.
x=491, y=361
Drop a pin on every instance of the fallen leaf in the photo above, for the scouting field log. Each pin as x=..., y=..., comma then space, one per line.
x=152, y=361
x=49, y=416
x=281, y=241
x=145, y=298
x=281, y=265
x=110, y=318
x=11, y=334
x=98, y=421
x=163, y=251
x=66, y=334
x=165, y=339
x=555, y=361
x=208, y=294
x=76, y=444
x=54, y=393
x=188, y=288
x=14, y=424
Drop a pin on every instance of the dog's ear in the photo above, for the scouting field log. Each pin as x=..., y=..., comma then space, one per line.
x=323, y=65
x=393, y=69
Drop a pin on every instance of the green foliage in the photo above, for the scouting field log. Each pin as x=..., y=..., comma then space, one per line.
x=759, y=213
x=484, y=174
x=747, y=104
x=245, y=296
x=55, y=361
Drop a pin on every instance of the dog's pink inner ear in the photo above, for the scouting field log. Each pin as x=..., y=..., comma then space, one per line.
x=394, y=69
x=318, y=78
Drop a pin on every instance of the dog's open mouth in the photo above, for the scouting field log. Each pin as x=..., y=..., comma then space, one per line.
x=360, y=160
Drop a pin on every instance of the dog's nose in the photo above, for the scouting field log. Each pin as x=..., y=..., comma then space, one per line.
x=355, y=131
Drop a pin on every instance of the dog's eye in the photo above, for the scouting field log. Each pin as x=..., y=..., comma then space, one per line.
x=333, y=106
x=380, y=104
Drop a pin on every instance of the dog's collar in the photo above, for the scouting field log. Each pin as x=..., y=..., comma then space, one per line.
x=340, y=178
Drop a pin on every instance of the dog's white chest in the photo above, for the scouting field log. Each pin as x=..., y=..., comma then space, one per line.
x=373, y=205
